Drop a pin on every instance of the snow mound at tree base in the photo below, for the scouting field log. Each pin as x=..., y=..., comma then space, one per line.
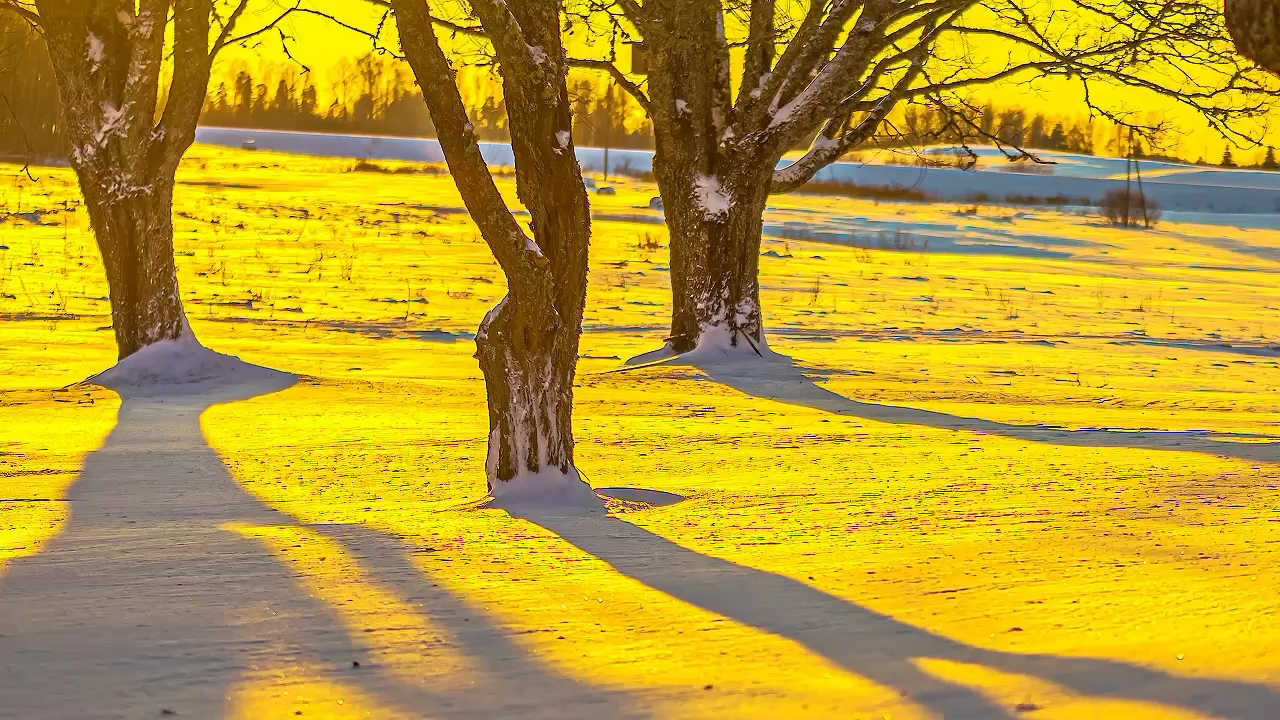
x=184, y=367
x=717, y=353
x=716, y=346
x=547, y=489
x=653, y=356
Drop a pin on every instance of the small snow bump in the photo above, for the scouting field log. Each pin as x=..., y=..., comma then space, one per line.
x=96, y=52
x=711, y=197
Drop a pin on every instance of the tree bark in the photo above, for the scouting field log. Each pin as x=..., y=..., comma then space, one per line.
x=135, y=237
x=530, y=398
x=715, y=255
x=712, y=184
x=1255, y=27
x=109, y=57
x=527, y=346
x=830, y=79
x=529, y=367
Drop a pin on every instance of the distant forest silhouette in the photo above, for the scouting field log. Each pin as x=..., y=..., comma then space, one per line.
x=375, y=95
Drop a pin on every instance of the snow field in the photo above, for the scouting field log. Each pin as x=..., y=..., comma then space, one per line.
x=928, y=501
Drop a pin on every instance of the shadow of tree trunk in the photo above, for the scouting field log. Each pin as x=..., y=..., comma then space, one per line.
x=144, y=602
x=779, y=378
x=874, y=645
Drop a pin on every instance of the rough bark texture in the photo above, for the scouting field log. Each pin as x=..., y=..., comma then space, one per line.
x=135, y=237
x=709, y=183
x=527, y=346
x=1255, y=27
x=714, y=256
x=108, y=58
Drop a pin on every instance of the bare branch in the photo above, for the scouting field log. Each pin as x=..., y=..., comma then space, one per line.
x=831, y=146
x=224, y=35
x=632, y=88
x=510, y=246
x=26, y=165
x=22, y=10
x=192, y=64
x=761, y=37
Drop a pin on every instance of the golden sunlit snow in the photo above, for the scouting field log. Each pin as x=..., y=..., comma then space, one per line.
x=1041, y=482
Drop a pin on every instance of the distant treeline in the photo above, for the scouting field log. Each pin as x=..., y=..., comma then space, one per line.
x=376, y=95
x=30, y=111
x=1013, y=127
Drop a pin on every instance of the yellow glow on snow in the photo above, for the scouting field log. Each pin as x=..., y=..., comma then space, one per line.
x=44, y=437
x=1051, y=702
x=302, y=691
x=394, y=634
x=904, y=504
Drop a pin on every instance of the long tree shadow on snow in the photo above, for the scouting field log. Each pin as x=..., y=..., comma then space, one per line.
x=779, y=378
x=149, y=600
x=874, y=645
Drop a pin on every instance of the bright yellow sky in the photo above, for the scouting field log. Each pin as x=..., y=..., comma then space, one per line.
x=319, y=44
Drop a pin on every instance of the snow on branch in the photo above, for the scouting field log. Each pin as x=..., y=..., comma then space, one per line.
x=514, y=51
x=828, y=148
x=761, y=42
x=824, y=88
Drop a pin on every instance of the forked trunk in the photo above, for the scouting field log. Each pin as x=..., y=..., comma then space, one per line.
x=135, y=236
x=715, y=228
x=527, y=345
x=128, y=132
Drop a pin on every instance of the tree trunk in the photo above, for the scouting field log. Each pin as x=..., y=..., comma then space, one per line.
x=529, y=356
x=135, y=237
x=530, y=397
x=128, y=134
x=527, y=345
x=715, y=255
x=1255, y=27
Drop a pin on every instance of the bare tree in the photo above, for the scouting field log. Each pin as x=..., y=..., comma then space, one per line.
x=828, y=75
x=128, y=133
x=1255, y=27
x=527, y=345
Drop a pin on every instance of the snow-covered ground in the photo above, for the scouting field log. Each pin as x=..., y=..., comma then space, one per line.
x=1026, y=471
x=1079, y=179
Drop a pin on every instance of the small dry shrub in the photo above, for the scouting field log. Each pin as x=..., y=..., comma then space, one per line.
x=1113, y=208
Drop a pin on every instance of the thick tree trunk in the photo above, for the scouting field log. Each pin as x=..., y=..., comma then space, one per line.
x=530, y=396
x=715, y=226
x=128, y=134
x=529, y=356
x=1255, y=27
x=135, y=236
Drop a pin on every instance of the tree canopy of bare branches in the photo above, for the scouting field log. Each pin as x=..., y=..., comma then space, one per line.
x=734, y=85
